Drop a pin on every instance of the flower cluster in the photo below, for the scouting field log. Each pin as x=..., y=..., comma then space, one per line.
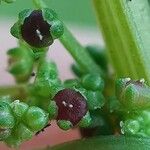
x=19, y=121
x=134, y=99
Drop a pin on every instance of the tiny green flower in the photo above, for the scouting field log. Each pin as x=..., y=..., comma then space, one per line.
x=95, y=100
x=131, y=127
x=24, y=133
x=19, y=108
x=20, y=63
x=64, y=125
x=93, y=82
x=7, y=119
x=36, y=118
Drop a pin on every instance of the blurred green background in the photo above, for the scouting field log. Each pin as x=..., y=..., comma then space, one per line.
x=79, y=12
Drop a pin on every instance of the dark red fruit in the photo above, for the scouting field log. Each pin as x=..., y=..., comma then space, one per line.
x=71, y=105
x=36, y=31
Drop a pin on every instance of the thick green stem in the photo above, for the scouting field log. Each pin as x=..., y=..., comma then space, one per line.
x=125, y=25
x=78, y=52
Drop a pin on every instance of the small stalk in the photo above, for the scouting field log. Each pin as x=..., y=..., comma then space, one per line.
x=78, y=52
x=39, y=4
x=15, y=91
x=125, y=25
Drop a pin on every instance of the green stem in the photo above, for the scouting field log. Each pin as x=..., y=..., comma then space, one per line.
x=39, y=4
x=126, y=35
x=78, y=52
x=15, y=91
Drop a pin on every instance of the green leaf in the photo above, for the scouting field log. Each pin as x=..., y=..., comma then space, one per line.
x=125, y=25
x=106, y=143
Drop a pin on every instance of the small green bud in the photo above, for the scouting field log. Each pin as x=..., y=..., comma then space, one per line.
x=13, y=141
x=95, y=100
x=49, y=15
x=113, y=104
x=19, y=108
x=52, y=110
x=23, y=132
x=35, y=118
x=7, y=120
x=15, y=30
x=85, y=121
x=93, y=82
x=64, y=125
x=130, y=127
x=23, y=15
x=57, y=29
x=19, y=134
x=20, y=63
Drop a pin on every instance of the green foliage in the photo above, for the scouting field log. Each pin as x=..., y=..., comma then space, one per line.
x=86, y=101
x=106, y=143
x=21, y=62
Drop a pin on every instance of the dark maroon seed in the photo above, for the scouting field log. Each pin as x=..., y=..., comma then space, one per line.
x=72, y=106
x=35, y=31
